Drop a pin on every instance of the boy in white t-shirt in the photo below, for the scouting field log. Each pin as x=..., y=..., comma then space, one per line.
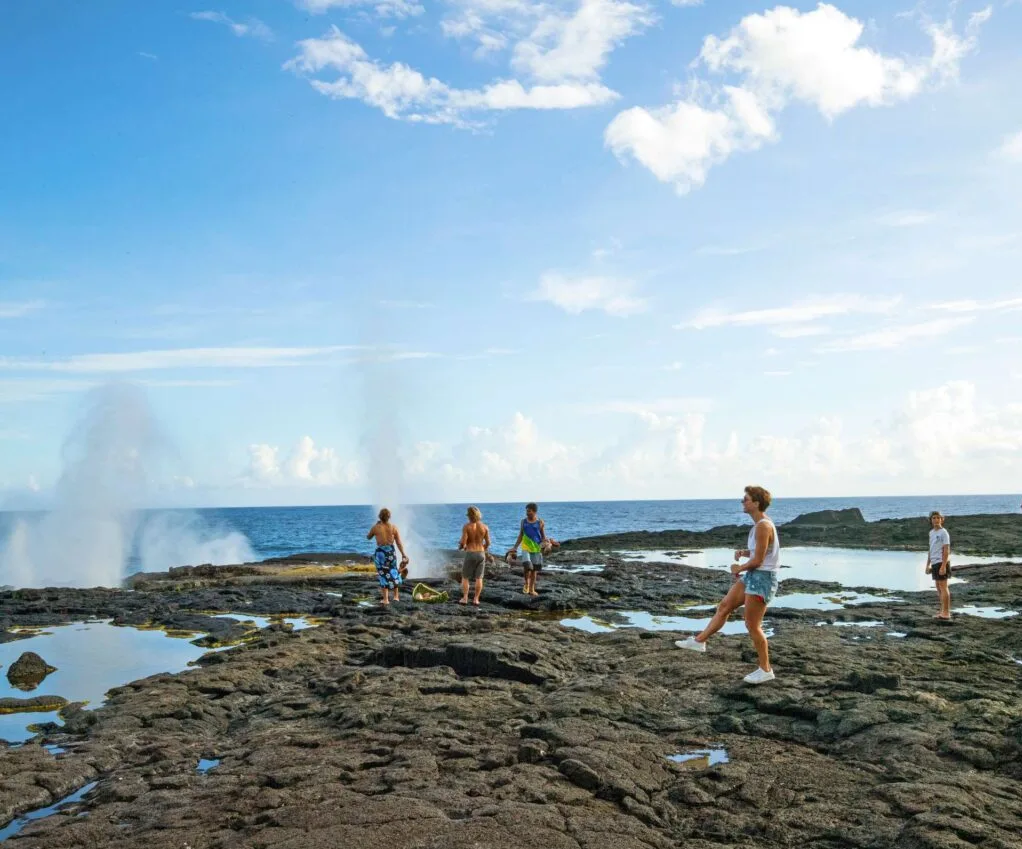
x=938, y=562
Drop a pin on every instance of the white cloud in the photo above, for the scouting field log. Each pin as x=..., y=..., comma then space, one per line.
x=905, y=218
x=383, y=8
x=684, y=3
x=1011, y=148
x=895, y=336
x=576, y=46
x=401, y=92
x=577, y=294
x=560, y=55
x=12, y=309
x=799, y=331
x=305, y=464
x=779, y=57
x=252, y=28
x=787, y=317
x=177, y=359
x=969, y=305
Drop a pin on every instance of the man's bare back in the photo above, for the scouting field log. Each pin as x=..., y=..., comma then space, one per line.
x=475, y=536
x=385, y=533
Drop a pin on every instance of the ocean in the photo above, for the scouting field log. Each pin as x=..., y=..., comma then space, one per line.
x=278, y=531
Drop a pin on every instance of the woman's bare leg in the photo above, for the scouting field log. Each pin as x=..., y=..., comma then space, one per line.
x=734, y=599
x=755, y=608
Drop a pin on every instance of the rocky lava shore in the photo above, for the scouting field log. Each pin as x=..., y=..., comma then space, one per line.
x=441, y=727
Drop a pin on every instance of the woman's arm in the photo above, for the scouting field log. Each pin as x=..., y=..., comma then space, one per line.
x=756, y=560
x=372, y=532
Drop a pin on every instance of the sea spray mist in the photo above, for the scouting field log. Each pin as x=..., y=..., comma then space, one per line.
x=111, y=459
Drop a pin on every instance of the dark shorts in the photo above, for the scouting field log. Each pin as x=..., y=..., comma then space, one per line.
x=935, y=568
x=474, y=566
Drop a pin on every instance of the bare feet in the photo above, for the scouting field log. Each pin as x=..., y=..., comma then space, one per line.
x=462, y=601
x=525, y=590
x=945, y=617
x=533, y=592
x=475, y=602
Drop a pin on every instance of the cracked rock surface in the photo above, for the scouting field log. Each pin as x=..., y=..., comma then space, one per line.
x=434, y=726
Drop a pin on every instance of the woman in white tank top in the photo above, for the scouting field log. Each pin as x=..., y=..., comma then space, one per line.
x=755, y=587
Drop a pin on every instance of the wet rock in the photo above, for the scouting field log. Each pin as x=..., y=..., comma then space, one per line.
x=28, y=671
x=43, y=704
x=848, y=516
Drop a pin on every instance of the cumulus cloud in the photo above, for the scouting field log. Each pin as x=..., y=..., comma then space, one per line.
x=305, y=464
x=559, y=56
x=252, y=28
x=663, y=454
x=776, y=58
x=575, y=295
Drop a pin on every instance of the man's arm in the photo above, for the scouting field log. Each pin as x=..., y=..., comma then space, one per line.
x=486, y=538
x=521, y=533
x=542, y=531
x=464, y=537
x=397, y=539
x=945, y=556
x=372, y=532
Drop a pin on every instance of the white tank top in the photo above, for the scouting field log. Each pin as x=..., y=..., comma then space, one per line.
x=772, y=559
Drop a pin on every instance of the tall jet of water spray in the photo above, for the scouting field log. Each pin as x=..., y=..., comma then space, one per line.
x=111, y=458
x=383, y=444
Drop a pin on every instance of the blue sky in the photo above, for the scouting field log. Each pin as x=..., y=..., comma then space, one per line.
x=578, y=249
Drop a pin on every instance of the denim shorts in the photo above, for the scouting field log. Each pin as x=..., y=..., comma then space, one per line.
x=762, y=583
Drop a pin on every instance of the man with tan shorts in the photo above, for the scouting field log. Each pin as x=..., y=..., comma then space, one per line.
x=475, y=542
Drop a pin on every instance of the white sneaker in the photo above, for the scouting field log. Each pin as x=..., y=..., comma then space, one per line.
x=760, y=676
x=691, y=643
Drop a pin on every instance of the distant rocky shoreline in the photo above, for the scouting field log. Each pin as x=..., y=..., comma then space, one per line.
x=997, y=534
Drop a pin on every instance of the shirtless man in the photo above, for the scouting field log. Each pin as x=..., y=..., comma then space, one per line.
x=475, y=542
x=387, y=569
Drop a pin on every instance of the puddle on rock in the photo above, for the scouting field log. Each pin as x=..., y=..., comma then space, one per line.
x=851, y=567
x=207, y=764
x=830, y=601
x=91, y=658
x=575, y=569
x=17, y=824
x=985, y=612
x=648, y=622
x=700, y=758
x=895, y=634
x=54, y=749
x=299, y=623
x=867, y=623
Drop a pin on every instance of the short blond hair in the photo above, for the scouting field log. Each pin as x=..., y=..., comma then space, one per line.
x=474, y=514
x=385, y=515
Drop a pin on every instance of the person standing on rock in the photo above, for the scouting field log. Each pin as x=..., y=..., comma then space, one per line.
x=938, y=562
x=475, y=542
x=531, y=537
x=755, y=585
x=387, y=569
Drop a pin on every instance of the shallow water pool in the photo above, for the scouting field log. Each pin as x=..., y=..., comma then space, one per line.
x=649, y=622
x=852, y=567
x=985, y=612
x=91, y=658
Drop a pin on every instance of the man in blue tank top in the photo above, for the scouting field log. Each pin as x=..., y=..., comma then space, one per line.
x=532, y=538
